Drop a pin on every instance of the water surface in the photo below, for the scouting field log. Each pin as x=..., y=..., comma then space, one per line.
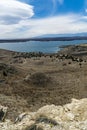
x=38, y=46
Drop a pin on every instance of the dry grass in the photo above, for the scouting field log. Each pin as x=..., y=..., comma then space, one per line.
x=66, y=82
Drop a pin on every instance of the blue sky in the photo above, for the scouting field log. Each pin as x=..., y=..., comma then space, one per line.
x=34, y=18
x=43, y=8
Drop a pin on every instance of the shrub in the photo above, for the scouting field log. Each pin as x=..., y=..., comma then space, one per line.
x=39, y=79
x=33, y=127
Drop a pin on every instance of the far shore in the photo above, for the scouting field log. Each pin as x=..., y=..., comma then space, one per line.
x=71, y=38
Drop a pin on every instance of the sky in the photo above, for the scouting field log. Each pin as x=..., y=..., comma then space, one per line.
x=38, y=18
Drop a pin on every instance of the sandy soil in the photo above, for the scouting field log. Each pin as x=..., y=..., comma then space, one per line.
x=28, y=83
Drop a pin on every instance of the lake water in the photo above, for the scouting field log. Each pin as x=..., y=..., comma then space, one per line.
x=37, y=46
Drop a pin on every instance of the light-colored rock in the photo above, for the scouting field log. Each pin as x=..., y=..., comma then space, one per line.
x=72, y=116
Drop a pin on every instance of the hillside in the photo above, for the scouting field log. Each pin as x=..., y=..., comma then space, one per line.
x=29, y=81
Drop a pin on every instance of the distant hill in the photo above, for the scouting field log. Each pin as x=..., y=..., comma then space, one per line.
x=63, y=35
x=64, y=38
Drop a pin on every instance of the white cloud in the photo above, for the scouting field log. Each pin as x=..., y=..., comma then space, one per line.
x=68, y=24
x=55, y=2
x=61, y=1
x=12, y=11
x=57, y=25
x=16, y=22
x=86, y=10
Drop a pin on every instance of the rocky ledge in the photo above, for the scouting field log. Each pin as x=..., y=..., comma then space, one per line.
x=71, y=116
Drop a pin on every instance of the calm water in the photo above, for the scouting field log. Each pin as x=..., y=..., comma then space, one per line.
x=36, y=46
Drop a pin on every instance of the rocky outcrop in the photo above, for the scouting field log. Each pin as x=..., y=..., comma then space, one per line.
x=71, y=116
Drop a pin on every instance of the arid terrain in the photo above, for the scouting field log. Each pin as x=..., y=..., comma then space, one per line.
x=29, y=81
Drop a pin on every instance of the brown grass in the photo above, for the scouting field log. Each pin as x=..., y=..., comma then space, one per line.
x=47, y=83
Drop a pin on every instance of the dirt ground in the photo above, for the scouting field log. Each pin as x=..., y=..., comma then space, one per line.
x=28, y=83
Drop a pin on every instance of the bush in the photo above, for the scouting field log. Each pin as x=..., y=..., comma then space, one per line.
x=7, y=69
x=39, y=79
x=33, y=127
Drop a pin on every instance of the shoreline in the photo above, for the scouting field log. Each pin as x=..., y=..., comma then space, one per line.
x=46, y=48
x=63, y=49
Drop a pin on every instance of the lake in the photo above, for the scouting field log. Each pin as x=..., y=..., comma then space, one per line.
x=37, y=46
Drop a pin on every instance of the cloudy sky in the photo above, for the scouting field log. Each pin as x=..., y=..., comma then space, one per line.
x=32, y=18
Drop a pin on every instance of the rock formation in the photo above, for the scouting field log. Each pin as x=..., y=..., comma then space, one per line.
x=71, y=116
